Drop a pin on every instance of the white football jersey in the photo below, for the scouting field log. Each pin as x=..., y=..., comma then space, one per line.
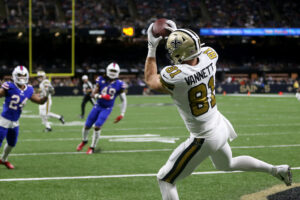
x=43, y=86
x=193, y=90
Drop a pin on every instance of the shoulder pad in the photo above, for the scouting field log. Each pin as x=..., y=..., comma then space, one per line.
x=170, y=76
x=5, y=85
x=98, y=78
x=210, y=53
x=123, y=85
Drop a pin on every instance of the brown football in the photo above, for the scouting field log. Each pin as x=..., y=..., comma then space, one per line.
x=158, y=28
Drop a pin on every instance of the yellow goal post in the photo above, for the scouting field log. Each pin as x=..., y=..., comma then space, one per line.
x=72, y=73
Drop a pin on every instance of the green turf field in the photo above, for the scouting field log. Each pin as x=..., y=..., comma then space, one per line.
x=140, y=144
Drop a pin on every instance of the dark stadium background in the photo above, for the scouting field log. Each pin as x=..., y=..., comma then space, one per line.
x=258, y=64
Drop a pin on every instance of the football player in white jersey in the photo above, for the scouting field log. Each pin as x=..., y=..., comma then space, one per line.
x=46, y=107
x=191, y=83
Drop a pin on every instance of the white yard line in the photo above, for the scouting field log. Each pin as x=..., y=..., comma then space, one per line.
x=79, y=139
x=113, y=176
x=148, y=150
x=143, y=135
x=68, y=153
x=263, y=146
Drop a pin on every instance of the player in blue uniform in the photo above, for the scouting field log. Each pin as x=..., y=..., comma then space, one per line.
x=16, y=94
x=106, y=91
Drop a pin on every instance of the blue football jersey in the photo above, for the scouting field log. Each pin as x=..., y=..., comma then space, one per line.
x=113, y=88
x=15, y=100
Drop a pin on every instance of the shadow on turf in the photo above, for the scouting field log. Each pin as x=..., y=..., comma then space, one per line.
x=290, y=194
x=98, y=150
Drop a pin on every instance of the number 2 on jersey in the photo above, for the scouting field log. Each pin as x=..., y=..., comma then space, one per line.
x=199, y=100
x=15, y=99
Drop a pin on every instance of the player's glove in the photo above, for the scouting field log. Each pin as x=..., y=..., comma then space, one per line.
x=172, y=25
x=49, y=89
x=298, y=96
x=102, y=96
x=152, y=42
x=119, y=118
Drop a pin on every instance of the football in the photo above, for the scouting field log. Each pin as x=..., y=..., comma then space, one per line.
x=159, y=28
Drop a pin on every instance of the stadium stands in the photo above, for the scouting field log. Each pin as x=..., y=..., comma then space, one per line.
x=116, y=13
x=242, y=56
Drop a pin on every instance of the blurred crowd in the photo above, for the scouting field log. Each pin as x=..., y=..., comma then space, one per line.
x=117, y=13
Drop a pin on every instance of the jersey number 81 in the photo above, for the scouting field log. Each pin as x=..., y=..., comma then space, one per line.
x=198, y=98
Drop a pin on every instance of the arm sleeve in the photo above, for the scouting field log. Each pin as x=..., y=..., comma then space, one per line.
x=212, y=55
x=124, y=103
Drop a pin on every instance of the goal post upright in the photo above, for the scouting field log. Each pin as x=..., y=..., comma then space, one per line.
x=72, y=73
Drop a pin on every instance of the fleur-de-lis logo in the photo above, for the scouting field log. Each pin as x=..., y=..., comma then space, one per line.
x=176, y=43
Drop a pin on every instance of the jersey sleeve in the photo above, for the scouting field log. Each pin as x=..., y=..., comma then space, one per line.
x=98, y=80
x=170, y=77
x=5, y=86
x=31, y=89
x=123, y=86
x=211, y=54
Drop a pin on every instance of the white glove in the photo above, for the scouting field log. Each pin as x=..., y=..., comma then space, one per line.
x=49, y=90
x=152, y=42
x=97, y=96
x=298, y=96
x=172, y=25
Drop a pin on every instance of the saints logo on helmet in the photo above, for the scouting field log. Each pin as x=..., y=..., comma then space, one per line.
x=183, y=45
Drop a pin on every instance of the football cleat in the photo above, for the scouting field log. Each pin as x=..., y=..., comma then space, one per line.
x=91, y=150
x=48, y=130
x=7, y=164
x=81, y=145
x=62, y=119
x=283, y=173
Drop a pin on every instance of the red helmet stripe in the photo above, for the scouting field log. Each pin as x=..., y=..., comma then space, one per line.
x=21, y=67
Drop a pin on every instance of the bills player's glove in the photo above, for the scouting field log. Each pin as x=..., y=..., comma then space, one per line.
x=152, y=42
x=102, y=96
x=172, y=25
x=119, y=118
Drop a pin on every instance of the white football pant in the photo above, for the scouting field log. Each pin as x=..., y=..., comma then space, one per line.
x=189, y=154
x=45, y=113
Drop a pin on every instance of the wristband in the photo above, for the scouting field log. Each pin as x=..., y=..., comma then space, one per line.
x=151, y=52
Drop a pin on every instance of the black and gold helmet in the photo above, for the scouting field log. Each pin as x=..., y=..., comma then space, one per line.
x=183, y=45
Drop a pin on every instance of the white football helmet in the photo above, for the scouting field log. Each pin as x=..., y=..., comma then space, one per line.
x=85, y=77
x=113, y=70
x=20, y=75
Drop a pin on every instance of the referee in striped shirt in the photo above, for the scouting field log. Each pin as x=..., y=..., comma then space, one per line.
x=87, y=91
